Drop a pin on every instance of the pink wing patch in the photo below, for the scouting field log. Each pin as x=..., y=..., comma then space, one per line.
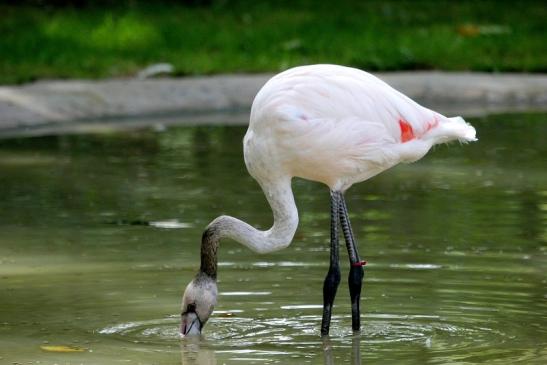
x=407, y=134
x=432, y=125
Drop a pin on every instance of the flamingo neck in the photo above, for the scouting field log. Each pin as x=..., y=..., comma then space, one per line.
x=280, y=235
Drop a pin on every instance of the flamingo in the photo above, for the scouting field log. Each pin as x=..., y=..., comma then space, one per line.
x=332, y=124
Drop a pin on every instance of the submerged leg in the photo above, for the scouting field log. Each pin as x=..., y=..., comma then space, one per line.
x=356, y=272
x=333, y=276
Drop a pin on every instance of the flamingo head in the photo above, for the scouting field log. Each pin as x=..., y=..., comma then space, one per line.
x=198, y=302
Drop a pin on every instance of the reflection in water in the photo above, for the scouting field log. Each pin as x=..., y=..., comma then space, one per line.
x=455, y=245
x=192, y=352
x=355, y=350
x=195, y=351
x=327, y=351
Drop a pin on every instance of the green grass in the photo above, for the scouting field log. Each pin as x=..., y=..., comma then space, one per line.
x=245, y=36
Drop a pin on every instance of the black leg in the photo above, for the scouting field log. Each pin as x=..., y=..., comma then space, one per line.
x=356, y=272
x=333, y=276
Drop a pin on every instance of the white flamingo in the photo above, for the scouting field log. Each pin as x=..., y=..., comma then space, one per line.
x=327, y=123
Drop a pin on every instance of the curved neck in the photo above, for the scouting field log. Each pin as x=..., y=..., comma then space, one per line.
x=280, y=235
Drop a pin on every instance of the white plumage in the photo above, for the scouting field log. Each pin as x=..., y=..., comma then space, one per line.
x=339, y=125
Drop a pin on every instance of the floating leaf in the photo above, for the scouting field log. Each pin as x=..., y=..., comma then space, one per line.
x=61, y=348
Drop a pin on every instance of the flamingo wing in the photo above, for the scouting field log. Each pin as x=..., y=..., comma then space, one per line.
x=333, y=92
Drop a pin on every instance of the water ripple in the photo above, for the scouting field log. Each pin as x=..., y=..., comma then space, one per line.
x=378, y=329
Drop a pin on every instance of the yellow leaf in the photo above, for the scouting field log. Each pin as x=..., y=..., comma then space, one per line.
x=468, y=30
x=61, y=348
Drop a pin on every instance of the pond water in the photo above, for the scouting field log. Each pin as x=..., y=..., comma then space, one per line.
x=100, y=234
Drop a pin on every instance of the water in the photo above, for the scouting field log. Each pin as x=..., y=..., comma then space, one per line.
x=100, y=234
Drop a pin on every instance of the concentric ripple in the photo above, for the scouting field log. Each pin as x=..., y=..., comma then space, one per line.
x=297, y=336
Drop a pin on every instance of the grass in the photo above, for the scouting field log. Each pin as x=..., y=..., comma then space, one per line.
x=244, y=36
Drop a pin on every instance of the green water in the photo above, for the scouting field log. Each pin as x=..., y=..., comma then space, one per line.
x=455, y=245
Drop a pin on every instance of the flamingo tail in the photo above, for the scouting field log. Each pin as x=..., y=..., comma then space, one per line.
x=453, y=129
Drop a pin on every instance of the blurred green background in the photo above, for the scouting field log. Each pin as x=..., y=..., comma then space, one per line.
x=97, y=39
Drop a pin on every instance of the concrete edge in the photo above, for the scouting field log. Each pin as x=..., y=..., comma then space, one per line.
x=52, y=107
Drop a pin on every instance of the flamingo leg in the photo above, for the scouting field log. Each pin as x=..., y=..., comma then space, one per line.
x=332, y=280
x=356, y=272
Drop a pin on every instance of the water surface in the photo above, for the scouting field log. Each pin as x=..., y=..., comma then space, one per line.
x=100, y=234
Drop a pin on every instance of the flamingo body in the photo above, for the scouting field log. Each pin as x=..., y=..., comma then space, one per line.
x=339, y=125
